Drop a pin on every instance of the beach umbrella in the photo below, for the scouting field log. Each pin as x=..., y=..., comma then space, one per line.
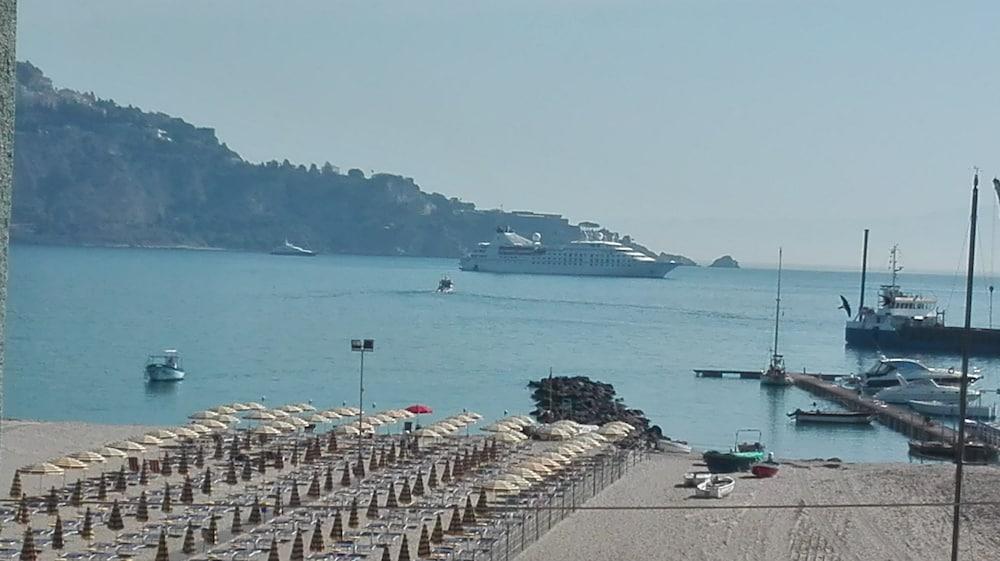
x=405, y=497
x=162, y=554
x=231, y=473
x=419, y=409
x=386, y=556
x=43, y=468
x=228, y=419
x=372, y=512
x=254, y=405
x=331, y=414
x=102, y=488
x=142, y=509
x=237, y=525
x=76, y=497
x=297, y=422
x=352, y=517
x=295, y=454
x=294, y=500
x=427, y=432
x=213, y=424
x=52, y=502
x=70, y=463
x=316, y=541
x=199, y=428
x=28, y=550
x=282, y=426
x=507, y=437
x=247, y=473
x=203, y=415
x=455, y=522
x=279, y=414
x=185, y=432
x=22, y=516
x=482, y=506
x=316, y=418
x=458, y=467
x=206, y=483
x=182, y=465
x=337, y=531
x=88, y=457
x=446, y=472
x=404, y=550
x=266, y=430
x=277, y=502
x=166, y=505
x=15, y=485
x=199, y=457
x=255, y=516
x=515, y=480
x=289, y=408
x=188, y=547
x=556, y=457
x=524, y=473
x=372, y=462
x=346, y=411
x=424, y=545
x=349, y=430
x=115, y=521
x=57, y=534
x=148, y=440
x=331, y=443
x=87, y=530
x=418, y=484
x=272, y=554
x=187, y=491
x=437, y=535
x=237, y=406
x=218, y=451
x=328, y=480
x=212, y=534
x=261, y=464
x=224, y=410
x=255, y=415
x=469, y=516
x=165, y=468
x=391, y=459
x=121, y=484
x=314, y=491
x=144, y=473
x=305, y=406
x=373, y=421
x=390, y=500
x=432, y=477
x=279, y=460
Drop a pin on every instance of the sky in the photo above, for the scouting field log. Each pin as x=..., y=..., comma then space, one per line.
x=700, y=127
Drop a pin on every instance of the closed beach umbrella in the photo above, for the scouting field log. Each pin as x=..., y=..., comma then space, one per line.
x=115, y=521
x=28, y=550
x=166, y=505
x=455, y=523
x=206, y=483
x=424, y=545
x=345, y=476
x=432, y=477
x=76, y=498
x=482, y=504
x=15, y=485
x=418, y=485
x=162, y=553
x=237, y=526
x=188, y=547
x=404, y=550
x=437, y=535
x=87, y=530
x=272, y=553
x=316, y=541
x=247, y=473
x=187, y=491
x=231, y=473
x=469, y=516
x=102, y=488
x=337, y=531
x=314, y=491
x=352, y=517
x=142, y=509
x=405, y=497
x=372, y=512
x=294, y=500
x=57, y=534
x=52, y=502
x=89, y=457
x=255, y=515
x=203, y=415
x=212, y=535
x=328, y=479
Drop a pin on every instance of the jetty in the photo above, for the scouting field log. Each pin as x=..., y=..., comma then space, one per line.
x=756, y=374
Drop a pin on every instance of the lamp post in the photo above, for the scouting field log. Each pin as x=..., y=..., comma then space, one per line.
x=361, y=346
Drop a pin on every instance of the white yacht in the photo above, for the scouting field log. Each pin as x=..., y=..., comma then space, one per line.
x=883, y=374
x=923, y=390
x=593, y=256
x=291, y=249
x=165, y=367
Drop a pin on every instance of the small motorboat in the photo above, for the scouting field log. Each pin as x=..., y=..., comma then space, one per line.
x=975, y=452
x=924, y=389
x=693, y=478
x=765, y=469
x=739, y=458
x=446, y=285
x=673, y=446
x=885, y=372
x=715, y=487
x=942, y=409
x=165, y=367
x=832, y=417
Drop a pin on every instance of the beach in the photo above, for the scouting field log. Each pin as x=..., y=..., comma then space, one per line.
x=804, y=533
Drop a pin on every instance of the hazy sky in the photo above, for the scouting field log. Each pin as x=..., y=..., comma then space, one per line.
x=699, y=127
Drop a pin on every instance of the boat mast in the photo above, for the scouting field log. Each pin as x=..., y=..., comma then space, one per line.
x=964, y=384
x=864, y=273
x=777, y=308
x=893, y=266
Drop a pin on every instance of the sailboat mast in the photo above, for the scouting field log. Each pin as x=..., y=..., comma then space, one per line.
x=777, y=307
x=864, y=273
x=964, y=384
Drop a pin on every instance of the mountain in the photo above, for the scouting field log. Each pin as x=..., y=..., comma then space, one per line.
x=725, y=262
x=91, y=172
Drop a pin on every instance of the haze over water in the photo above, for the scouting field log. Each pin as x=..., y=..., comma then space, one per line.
x=81, y=322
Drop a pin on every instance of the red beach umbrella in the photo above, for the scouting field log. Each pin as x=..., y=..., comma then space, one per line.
x=419, y=409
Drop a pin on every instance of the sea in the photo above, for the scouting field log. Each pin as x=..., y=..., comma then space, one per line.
x=256, y=327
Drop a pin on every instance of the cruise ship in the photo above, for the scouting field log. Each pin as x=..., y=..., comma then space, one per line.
x=593, y=256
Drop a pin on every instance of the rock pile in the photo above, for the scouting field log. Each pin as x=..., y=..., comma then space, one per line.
x=585, y=401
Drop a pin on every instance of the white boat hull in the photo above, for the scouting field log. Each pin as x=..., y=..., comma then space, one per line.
x=672, y=446
x=164, y=374
x=716, y=487
x=952, y=409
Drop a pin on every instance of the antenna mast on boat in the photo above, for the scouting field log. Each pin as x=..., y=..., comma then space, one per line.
x=894, y=264
x=864, y=273
x=777, y=308
x=964, y=383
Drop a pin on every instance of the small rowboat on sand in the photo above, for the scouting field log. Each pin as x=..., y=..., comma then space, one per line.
x=765, y=469
x=693, y=478
x=716, y=487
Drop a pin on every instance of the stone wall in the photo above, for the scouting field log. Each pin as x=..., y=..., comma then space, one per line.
x=8, y=11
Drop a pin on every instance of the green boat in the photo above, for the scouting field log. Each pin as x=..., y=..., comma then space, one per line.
x=739, y=458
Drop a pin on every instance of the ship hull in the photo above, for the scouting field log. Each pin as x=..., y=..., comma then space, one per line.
x=637, y=270
x=937, y=339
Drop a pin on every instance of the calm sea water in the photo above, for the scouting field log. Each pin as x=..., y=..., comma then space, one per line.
x=81, y=322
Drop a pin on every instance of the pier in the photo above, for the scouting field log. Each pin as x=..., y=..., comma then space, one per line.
x=756, y=374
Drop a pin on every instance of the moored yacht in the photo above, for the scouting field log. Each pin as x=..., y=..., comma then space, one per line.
x=775, y=375
x=923, y=390
x=592, y=256
x=886, y=372
x=165, y=367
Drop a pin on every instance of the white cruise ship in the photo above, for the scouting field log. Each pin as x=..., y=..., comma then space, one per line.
x=511, y=253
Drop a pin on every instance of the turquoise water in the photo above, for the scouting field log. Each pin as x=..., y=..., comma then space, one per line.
x=81, y=322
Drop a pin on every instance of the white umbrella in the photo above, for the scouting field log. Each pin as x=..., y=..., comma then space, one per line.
x=374, y=421
x=500, y=486
x=536, y=466
x=280, y=413
x=109, y=452
x=289, y=408
x=127, y=445
x=331, y=414
x=282, y=425
x=346, y=411
x=213, y=424
x=266, y=430
x=427, y=433
x=506, y=437
x=203, y=415
x=44, y=468
x=239, y=406
x=92, y=457
x=297, y=422
x=148, y=440
x=316, y=418
x=305, y=406
x=162, y=434
x=202, y=429
x=517, y=480
x=556, y=457
x=258, y=415
x=386, y=419
x=346, y=429
x=224, y=410
x=254, y=405
x=525, y=473
x=228, y=419
x=69, y=463
x=185, y=432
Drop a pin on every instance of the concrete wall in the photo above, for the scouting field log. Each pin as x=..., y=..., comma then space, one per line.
x=8, y=11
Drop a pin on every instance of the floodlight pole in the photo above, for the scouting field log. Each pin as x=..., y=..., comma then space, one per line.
x=361, y=346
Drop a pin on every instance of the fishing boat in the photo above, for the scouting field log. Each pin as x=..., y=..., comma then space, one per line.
x=446, y=285
x=693, y=478
x=673, y=446
x=974, y=451
x=765, y=469
x=739, y=458
x=832, y=417
x=165, y=367
x=716, y=487
x=775, y=374
x=942, y=409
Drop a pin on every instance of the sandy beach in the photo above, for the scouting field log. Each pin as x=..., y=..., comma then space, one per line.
x=796, y=533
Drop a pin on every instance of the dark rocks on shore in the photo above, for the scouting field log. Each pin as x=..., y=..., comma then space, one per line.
x=580, y=399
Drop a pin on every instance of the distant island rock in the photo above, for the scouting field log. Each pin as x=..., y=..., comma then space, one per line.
x=89, y=171
x=725, y=262
x=684, y=261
